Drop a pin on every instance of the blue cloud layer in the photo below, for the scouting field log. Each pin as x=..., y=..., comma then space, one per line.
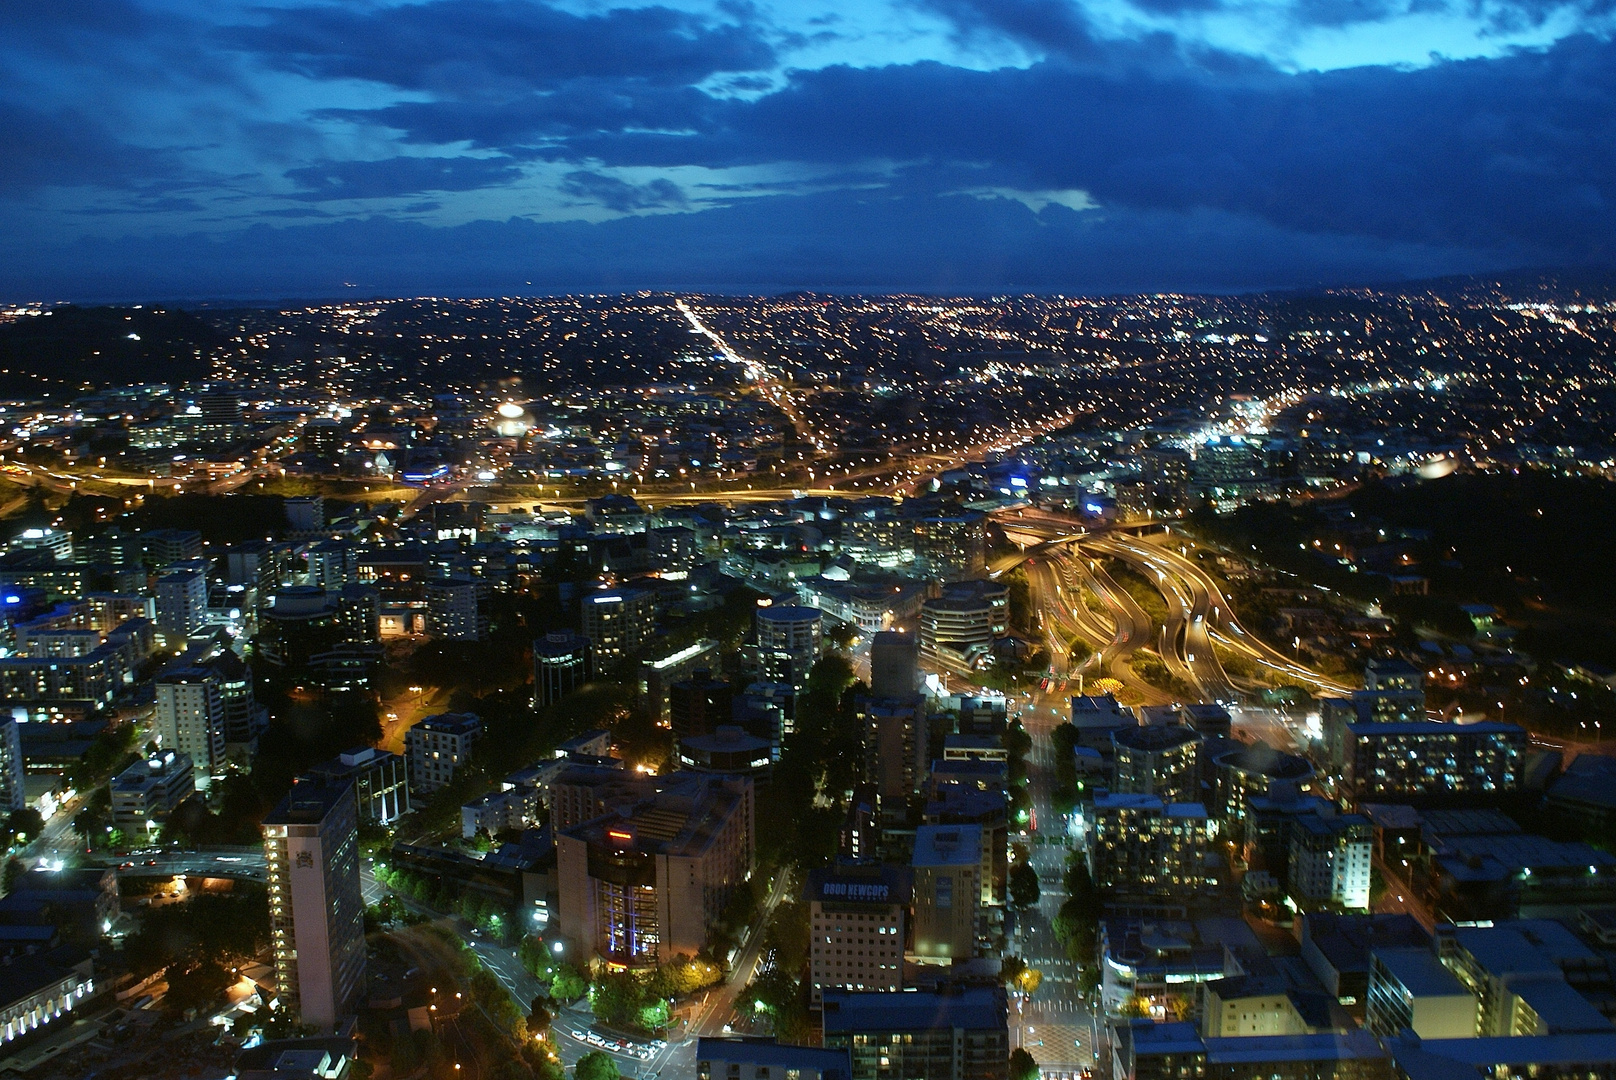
x=442, y=146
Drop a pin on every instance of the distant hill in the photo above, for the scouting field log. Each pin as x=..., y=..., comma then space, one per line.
x=72, y=349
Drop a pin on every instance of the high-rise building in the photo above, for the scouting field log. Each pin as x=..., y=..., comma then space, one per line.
x=182, y=604
x=947, y=865
x=457, y=609
x=1329, y=861
x=952, y=546
x=191, y=717
x=618, y=622
x=956, y=804
x=1138, y=844
x=560, y=666
x=857, y=920
x=955, y=1034
x=789, y=643
x=895, y=745
x=649, y=880
x=769, y=711
x=316, y=910
x=699, y=705
x=995, y=594
x=1409, y=989
x=437, y=746
x=1161, y=760
x=894, y=665
x=306, y=513
x=659, y=672
x=13, y=796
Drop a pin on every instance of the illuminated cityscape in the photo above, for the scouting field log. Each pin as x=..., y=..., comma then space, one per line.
x=680, y=684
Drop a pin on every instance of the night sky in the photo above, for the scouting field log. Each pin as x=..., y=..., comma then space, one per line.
x=166, y=150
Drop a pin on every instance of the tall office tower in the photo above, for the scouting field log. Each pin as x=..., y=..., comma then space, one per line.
x=182, y=602
x=952, y=546
x=221, y=410
x=12, y=794
x=789, y=643
x=699, y=705
x=894, y=665
x=995, y=594
x=316, y=910
x=619, y=622
x=560, y=666
x=947, y=875
x=1163, y=761
x=457, y=609
x=856, y=918
x=1329, y=859
x=191, y=718
x=894, y=749
x=381, y=781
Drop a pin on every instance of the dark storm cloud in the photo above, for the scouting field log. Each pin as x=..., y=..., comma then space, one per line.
x=68, y=148
x=400, y=176
x=620, y=195
x=1517, y=150
x=474, y=47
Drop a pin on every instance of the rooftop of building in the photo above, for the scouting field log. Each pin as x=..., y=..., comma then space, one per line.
x=789, y=613
x=766, y=1051
x=971, y=1008
x=1435, y=728
x=310, y=801
x=682, y=819
x=1493, y=857
x=1559, y=1006
x=1106, y=705
x=872, y=883
x=1260, y=759
x=450, y=723
x=725, y=738
x=1420, y=972
x=1468, y=1059
x=1355, y=1045
x=1155, y=738
x=1589, y=780
x=1345, y=941
x=24, y=976
x=947, y=845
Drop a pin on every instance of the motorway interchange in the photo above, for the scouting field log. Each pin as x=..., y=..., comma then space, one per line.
x=1065, y=566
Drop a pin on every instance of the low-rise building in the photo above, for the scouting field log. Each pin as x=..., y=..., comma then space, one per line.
x=437, y=746
x=145, y=793
x=1409, y=989
x=955, y=1034
x=751, y=1058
